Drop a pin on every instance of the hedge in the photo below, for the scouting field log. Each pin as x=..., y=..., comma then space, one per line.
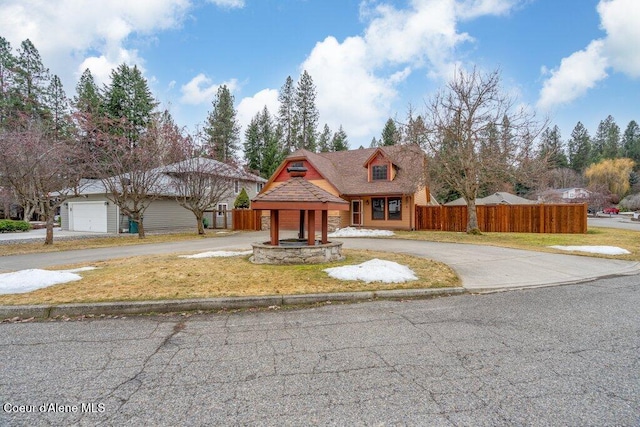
x=8, y=226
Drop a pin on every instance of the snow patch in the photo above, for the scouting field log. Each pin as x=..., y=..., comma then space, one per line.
x=217, y=254
x=375, y=270
x=20, y=282
x=360, y=232
x=605, y=250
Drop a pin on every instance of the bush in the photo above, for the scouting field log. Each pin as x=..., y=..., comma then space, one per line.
x=9, y=226
x=242, y=201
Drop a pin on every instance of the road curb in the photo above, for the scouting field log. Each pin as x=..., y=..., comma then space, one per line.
x=168, y=306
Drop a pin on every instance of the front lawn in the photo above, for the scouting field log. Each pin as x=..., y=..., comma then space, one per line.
x=170, y=277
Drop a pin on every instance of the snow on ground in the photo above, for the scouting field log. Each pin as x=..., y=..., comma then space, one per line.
x=375, y=270
x=606, y=250
x=359, y=232
x=19, y=282
x=217, y=254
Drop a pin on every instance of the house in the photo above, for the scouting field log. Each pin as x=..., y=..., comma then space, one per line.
x=565, y=195
x=382, y=185
x=499, y=198
x=93, y=211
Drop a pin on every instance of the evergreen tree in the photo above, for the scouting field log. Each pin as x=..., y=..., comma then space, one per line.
x=631, y=142
x=579, y=148
x=339, y=141
x=324, y=140
x=286, y=116
x=242, y=201
x=390, y=134
x=551, y=147
x=222, y=128
x=374, y=143
x=129, y=103
x=7, y=82
x=58, y=107
x=87, y=99
x=253, y=148
x=32, y=80
x=606, y=144
x=306, y=112
x=415, y=130
x=273, y=154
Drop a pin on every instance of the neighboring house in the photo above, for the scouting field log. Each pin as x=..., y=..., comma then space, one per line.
x=499, y=198
x=382, y=185
x=93, y=211
x=565, y=195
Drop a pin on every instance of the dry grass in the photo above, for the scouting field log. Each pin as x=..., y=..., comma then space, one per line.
x=596, y=236
x=170, y=277
x=101, y=242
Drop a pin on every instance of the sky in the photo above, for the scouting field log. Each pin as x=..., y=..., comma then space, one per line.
x=568, y=60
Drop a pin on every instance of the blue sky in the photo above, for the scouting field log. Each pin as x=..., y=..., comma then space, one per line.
x=570, y=60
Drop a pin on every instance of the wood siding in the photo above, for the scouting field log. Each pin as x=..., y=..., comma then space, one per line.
x=542, y=218
x=247, y=219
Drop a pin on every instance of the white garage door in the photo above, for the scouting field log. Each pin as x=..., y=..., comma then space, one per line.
x=88, y=216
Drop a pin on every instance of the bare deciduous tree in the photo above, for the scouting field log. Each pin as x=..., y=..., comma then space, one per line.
x=39, y=170
x=475, y=137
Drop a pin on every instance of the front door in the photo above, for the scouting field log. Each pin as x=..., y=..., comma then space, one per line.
x=356, y=212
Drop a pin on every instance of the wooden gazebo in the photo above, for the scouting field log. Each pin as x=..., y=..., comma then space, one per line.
x=301, y=195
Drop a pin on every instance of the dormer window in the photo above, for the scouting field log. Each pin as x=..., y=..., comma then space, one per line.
x=379, y=173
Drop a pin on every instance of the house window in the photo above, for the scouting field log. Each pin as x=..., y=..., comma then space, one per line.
x=259, y=186
x=222, y=209
x=236, y=186
x=377, y=208
x=379, y=173
x=395, y=208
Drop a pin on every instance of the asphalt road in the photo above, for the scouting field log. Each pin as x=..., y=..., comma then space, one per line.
x=567, y=355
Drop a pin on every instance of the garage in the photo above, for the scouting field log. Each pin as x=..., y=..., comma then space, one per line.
x=88, y=216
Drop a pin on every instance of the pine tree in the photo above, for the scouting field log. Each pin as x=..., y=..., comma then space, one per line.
x=606, y=144
x=286, y=116
x=129, y=103
x=87, y=99
x=58, y=107
x=551, y=147
x=631, y=142
x=306, y=112
x=339, y=141
x=273, y=154
x=579, y=148
x=32, y=80
x=374, y=143
x=253, y=147
x=222, y=129
x=390, y=134
x=324, y=140
x=7, y=82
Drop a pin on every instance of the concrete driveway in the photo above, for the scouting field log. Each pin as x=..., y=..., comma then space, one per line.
x=479, y=267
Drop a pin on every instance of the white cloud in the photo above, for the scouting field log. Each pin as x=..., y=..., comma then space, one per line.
x=250, y=106
x=356, y=79
x=584, y=69
x=202, y=90
x=620, y=19
x=228, y=3
x=577, y=73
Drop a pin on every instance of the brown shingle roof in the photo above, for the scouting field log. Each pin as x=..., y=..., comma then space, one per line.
x=345, y=170
x=297, y=190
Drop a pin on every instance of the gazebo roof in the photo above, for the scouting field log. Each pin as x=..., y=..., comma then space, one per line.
x=298, y=194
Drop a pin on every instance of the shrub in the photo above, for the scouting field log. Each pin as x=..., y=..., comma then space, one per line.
x=242, y=201
x=9, y=226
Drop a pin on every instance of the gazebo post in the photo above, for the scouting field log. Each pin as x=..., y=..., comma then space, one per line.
x=311, y=228
x=301, y=226
x=275, y=230
x=325, y=227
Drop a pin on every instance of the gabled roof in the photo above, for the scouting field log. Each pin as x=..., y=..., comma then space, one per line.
x=346, y=170
x=301, y=193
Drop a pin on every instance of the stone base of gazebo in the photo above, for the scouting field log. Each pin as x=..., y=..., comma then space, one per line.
x=294, y=252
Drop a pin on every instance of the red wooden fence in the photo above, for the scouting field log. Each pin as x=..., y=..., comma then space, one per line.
x=540, y=218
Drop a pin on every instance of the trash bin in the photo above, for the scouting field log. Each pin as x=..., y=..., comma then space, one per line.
x=133, y=226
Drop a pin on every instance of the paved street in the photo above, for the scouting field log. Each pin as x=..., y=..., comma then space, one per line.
x=567, y=355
